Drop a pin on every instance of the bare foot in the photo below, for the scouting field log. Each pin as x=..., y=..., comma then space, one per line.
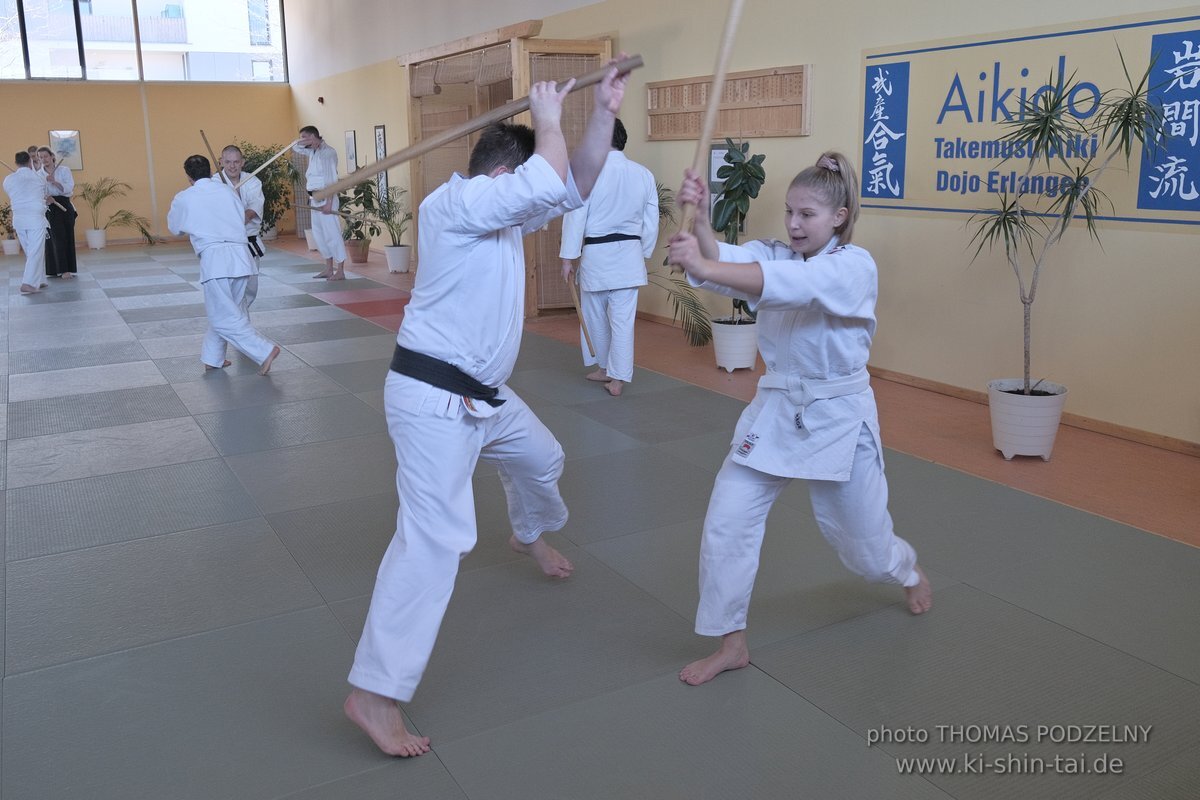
x=732, y=654
x=43, y=285
x=325, y=273
x=338, y=274
x=553, y=563
x=381, y=719
x=920, y=597
x=27, y=289
x=598, y=375
x=67, y=275
x=266, y=365
x=613, y=387
x=207, y=367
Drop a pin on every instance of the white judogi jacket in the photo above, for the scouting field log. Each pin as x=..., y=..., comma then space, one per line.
x=468, y=303
x=64, y=179
x=624, y=200
x=26, y=192
x=251, y=193
x=816, y=318
x=322, y=165
x=213, y=217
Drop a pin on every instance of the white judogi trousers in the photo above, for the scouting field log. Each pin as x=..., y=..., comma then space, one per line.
x=610, y=316
x=436, y=453
x=33, y=242
x=852, y=516
x=327, y=231
x=227, y=304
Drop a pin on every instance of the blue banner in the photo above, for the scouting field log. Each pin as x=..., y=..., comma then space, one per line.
x=885, y=130
x=1168, y=180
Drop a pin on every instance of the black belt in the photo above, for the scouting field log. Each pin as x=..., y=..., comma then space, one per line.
x=436, y=372
x=610, y=237
x=255, y=248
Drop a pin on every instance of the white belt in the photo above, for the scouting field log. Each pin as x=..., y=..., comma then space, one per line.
x=803, y=391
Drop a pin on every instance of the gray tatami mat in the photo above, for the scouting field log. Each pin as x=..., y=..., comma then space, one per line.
x=189, y=557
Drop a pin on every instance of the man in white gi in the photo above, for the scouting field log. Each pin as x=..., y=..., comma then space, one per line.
x=446, y=400
x=249, y=189
x=327, y=230
x=26, y=192
x=213, y=216
x=612, y=236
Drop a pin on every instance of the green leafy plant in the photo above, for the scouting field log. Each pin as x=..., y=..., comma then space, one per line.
x=96, y=192
x=360, y=210
x=278, y=180
x=1028, y=225
x=6, y=221
x=391, y=210
x=743, y=177
x=686, y=306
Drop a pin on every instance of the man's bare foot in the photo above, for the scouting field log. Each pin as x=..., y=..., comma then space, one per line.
x=43, y=285
x=380, y=718
x=613, y=387
x=207, y=367
x=732, y=654
x=67, y=275
x=598, y=375
x=553, y=563
x=920, y=597
x=266, y=365
x=27, y=289
x=338, y=274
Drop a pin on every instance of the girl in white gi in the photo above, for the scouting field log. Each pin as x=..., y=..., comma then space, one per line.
x=446, y=398
x=813, y=416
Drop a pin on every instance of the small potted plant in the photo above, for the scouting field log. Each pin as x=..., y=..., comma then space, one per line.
x=1025, y=414
x=391, y=210
x=11, y=246
x=735, y=338
x=277, y=181
x=94, y=194
x=359, y=211
x=686, y=305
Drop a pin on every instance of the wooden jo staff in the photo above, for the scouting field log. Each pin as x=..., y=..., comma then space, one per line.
x=265, y=164
x=53, y=202
x=505, y=111
x=587, y=337
x=216, y=164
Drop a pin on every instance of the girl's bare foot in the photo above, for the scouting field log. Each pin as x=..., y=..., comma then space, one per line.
x=27, y=289
x=920, y=597
x=553, y=563
x=598, y=375
x=380, y=718
x=207, y=367
x=266, y=365
x=733, y=654
x=614, y=387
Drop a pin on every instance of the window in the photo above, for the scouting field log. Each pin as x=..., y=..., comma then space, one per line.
x=260, y=23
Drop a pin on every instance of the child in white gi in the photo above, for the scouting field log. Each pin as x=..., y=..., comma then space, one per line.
x=446, y=401
x=26, y=190
x=814, y=414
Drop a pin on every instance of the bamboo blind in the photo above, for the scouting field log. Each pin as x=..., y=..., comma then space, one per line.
x=769, y=102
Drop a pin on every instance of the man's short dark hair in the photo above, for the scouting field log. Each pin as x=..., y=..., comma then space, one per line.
x=620, y=137
x=197, y=167
x=22, y=158
x=311, y=129
x=501, y=145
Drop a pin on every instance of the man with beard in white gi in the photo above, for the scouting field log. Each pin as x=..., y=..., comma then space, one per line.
x=327, y=230
x=214, y=218
x=249, y=189
x=26, y=192
x=612, y=236
x=446, y=400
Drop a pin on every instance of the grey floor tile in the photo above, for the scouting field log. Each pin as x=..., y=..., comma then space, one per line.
x=264, y=318
x=188, y=326
x=98, y=410
x=58, y=517
x=262, y=704
x=666, y=415
x=50, y=326
x=275, y=297
x=361, y=348
x=99, y=600
x=316, y=474
x=187, y=368
x=706, y=451
x=136, y=287
x=747, y=737
x=59, y=358
x=359, y=376
x=1178, y=780
x=157, y=313
x=59, y=295
x=304, y=332
x=256, y=428
x=580, y=436
x=84, y=380
x=107, y=334
x=374, y=399
x=175, y=298
x=542, y=352
x=975, y=659
x=81, y=454
x=425, y=778
x=351, y=284
x=221, y=391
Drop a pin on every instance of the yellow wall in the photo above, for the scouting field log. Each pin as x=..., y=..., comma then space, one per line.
x=141, y=135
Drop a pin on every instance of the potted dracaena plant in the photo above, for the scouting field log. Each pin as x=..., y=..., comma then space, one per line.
x=359, y=210
x=1027, y=226
x=735, y=338
x=95, y=193
x=686, y=305
x=277, y=178
x=392, y=212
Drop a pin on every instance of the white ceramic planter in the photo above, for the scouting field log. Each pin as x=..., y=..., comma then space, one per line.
x=736, y=346
x=397, y=256
x=96, y=239
x=12, y=247
x=1025, y=425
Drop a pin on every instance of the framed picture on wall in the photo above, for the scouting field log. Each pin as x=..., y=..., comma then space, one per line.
x=716, y=160
x=380, y=154
x=65, y=145
x=351, y=151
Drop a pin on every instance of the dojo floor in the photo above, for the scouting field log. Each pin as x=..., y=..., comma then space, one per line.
x=188, y=559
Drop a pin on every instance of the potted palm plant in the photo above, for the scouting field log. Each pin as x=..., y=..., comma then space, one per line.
x=1025, y=413
x=391, y=210
x=735, y=338
x=94, y=194
x=359, y=210
x=686, y=305
x=277, y=181
x=11, y=246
